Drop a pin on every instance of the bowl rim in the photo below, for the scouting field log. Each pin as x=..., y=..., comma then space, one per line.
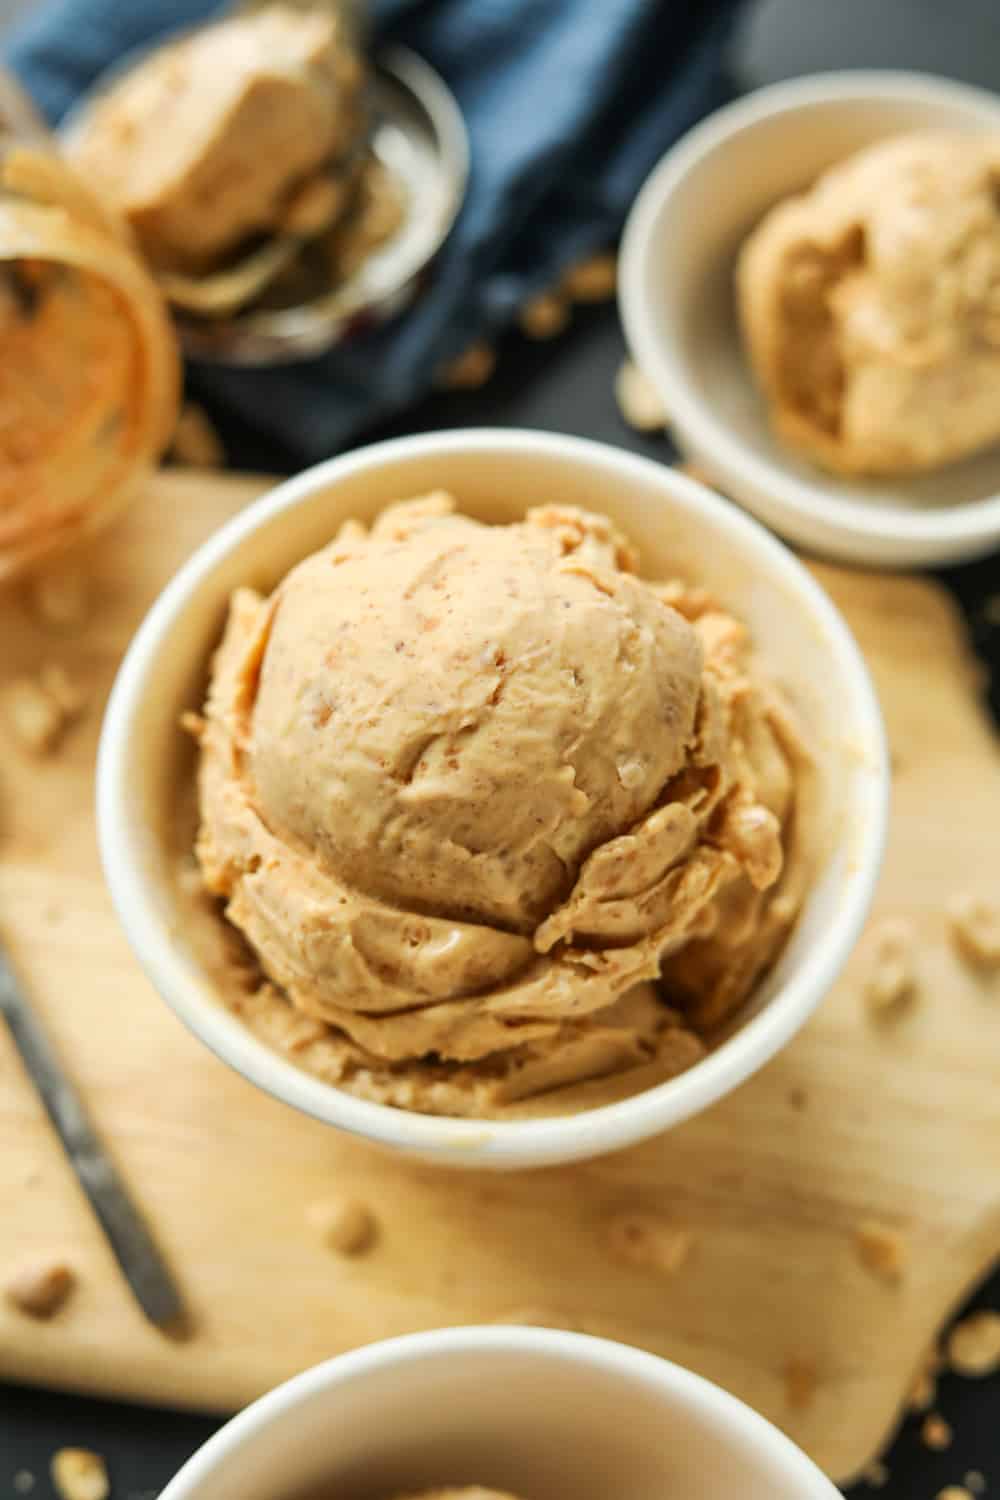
x=782, y=497
x=680, y=1386
x=465, y=1142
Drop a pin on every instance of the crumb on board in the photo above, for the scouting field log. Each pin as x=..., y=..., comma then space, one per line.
x=638, y=399
x=594, y=279
x=39, y=1290
x=889, y=976
x=33, y=717
x=800, y=1379
x=975, y=1482
x=66, y=691
x=343, y=1224
x=975, y=928
x=880, y=1249
x=470, y=370
x=24, y=1482
x=973, y=1345
x=544, y=316
x=643, y=1240
x=935, y=1432
x=79, y=1474
x=60, y=597
x=195, y=442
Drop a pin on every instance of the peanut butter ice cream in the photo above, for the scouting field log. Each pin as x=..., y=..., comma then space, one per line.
x=469, y=791
x=226, y=133
x=871, y=306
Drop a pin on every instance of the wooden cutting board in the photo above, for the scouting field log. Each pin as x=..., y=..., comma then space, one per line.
x=896, y=1121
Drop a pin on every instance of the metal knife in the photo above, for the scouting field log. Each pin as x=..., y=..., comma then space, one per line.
x=118, y=1216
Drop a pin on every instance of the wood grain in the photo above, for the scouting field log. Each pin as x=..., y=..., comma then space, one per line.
x=896, y=1121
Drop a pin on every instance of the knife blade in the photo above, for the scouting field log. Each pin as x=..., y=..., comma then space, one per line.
x=123, y=1225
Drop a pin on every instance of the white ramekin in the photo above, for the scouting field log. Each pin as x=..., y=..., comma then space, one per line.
x=532, y=1411
x=682, y=528
x=677, y=305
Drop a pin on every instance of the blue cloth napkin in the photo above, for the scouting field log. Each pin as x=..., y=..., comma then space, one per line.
x=568, y=105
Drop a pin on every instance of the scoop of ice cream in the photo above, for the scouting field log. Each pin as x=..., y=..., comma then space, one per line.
x=871, y=306
x=464, y=788
x=221, y=134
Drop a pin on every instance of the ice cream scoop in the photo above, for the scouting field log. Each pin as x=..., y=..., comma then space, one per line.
x=465, y=790
x=870, y=306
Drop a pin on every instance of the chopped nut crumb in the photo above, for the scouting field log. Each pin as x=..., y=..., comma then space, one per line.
x=638, y=399
x=876, y=1475
x=195, y=441
x=470, y=370
x=79, y=1474
x=973, y=1345
x=975, y=929
x=798, y=1099
x=800, y=1383
x=935, y=1432
x=33, y=717
x=592, y=280
x=40, y=1290
x=346, y=1224
x=544, y=316
x=24, y=1482
x=889, y=978
x=975, y=1482
x=645, y=1241
x=60, y=597
x=64, y=690
x=882, y=1250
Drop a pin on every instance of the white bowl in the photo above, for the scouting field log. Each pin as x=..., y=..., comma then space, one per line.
x=539, y=1413
x=678, y=308
x=681, y=527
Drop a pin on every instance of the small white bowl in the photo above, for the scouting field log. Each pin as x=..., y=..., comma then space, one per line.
x=538, y=1413
x=678, y=307
x=681, y=528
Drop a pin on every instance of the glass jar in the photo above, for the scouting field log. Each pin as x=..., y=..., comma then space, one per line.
x=89, y=370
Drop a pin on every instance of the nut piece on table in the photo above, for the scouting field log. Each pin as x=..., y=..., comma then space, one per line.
x=889, y=978
x=470, y=370
x=973, y=1345
x=195, y=441
x=975, y=929
x=40, y=1290
x=881, y=1250
x=935, y=1432
x=638, y=399
x=344, y=1224
x=544, y=316
x=34, y=718
x=592, y=280
x=642, y=1240
x=79, y=1474
x=60, y=597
